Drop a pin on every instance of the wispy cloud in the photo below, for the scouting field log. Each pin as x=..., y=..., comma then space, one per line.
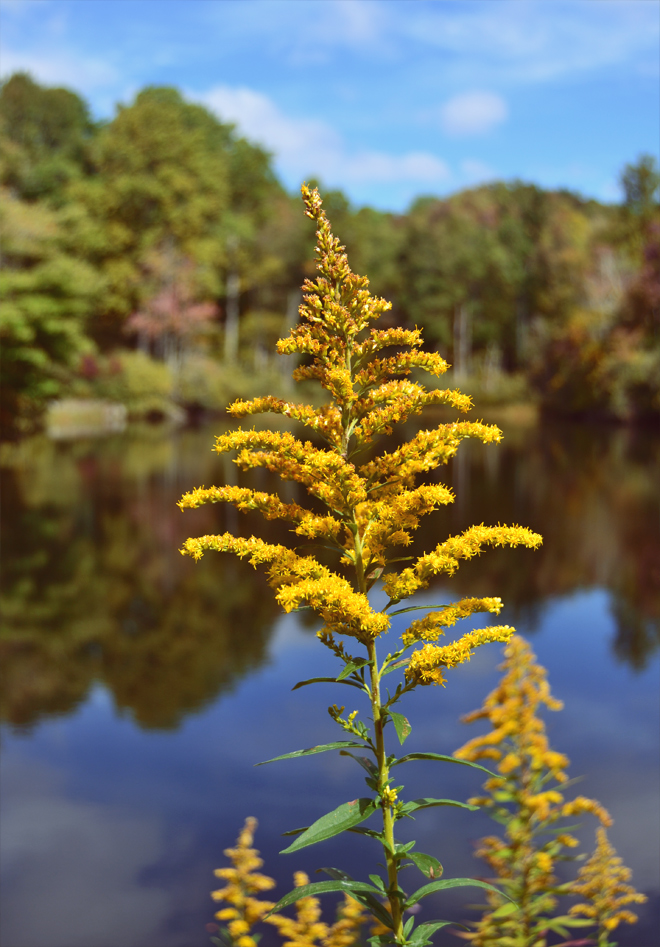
x=473, y=113
x=306, y=147
x=527, y=40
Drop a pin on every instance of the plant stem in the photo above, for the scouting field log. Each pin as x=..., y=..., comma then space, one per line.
x=383, y=780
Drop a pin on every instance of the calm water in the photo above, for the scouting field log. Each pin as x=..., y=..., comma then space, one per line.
x=139, y=688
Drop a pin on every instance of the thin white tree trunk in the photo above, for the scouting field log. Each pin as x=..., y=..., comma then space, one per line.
x=231, y=317
x=462, y=341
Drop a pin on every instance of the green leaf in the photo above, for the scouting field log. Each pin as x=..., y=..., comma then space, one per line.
x=323, y=887
x=442, y=885
x=325, y=680
x=351, y=666
x=442, y=758
x=394, y=667
x=428, y=803
x=505, y=909
x=401, y=725
x=416, y=608
x=378, y=882
x=427, y=864
x=321, y=748
x=364, y=897
x=339, y=820
x=296, y=831
x=422, y=934
x=370, y=832
x=364, y=761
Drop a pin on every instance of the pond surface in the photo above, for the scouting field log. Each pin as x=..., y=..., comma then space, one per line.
x=140, y=688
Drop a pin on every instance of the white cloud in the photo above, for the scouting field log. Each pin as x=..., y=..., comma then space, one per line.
x=80, y=72
x=306, y=147
x=518, y=41
x=473, y=113
x=84, y=859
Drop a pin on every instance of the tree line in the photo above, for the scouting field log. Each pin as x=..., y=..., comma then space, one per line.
x=160, y=249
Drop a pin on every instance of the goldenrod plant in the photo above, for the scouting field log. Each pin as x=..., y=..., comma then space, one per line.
x=602, y=882
x=372, y=501
x=244, y=882
x=527, y=798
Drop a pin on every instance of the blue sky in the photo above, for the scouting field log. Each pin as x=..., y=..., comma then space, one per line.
x=386, y=99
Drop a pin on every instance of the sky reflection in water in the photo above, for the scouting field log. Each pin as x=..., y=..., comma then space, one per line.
x=141, y=689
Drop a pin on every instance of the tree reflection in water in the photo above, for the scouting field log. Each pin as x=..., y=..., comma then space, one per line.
x=94, y=589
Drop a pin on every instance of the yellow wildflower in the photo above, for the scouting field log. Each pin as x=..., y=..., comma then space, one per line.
x=243, y=882
x=602, y=881
x=425, y=665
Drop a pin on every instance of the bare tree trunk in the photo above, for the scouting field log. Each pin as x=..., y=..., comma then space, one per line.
x=462, y=341
x=231, y=317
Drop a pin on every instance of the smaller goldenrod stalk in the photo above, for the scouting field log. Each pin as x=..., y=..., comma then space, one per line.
x=527, y=798
x=602, y=881
x=246, y=911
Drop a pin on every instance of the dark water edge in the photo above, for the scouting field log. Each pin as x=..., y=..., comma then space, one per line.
x=139, y=688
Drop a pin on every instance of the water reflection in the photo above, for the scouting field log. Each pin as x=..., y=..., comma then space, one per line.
x=95, y=590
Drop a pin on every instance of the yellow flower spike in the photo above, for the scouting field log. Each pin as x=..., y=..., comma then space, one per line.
x=602, y=881
x=524, y=800
x=244, y=881
x=424, y=666
x=446, y=556
x=429, y=628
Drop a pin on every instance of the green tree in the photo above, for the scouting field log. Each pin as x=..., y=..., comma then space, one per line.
x=48, y=296
x=44, y=138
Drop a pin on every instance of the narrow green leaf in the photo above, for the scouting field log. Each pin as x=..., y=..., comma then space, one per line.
x=337, y=873
x=370, y=832
x=339, y=820
x=394, y=667
x=422, y=934
x=364, y=897
x=401, y=725
x=416, y=608
x=322, y=887
x=505, y=909
x=428, y=803
x=427, y=864
x=325, y=680
x=442, y=885
x=364, y=762
x=321, y=748
x=351, y=666
x=378, y=882
x=296, y=831
x=442, y=758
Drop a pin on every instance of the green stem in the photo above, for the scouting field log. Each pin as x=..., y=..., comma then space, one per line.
x=383, y=781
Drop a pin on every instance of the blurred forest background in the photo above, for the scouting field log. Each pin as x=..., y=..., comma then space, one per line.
x=152, y=261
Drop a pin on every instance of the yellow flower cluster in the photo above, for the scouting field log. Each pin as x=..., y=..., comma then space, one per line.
x=305, y=930
x=427, y=450
x=445, y=557
x=603, y=882
x=243, y=882
x=425, y=665
x=307, y=927
x=372, y=506
x=524, y=800
x=302, y=581
x=430, y=627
